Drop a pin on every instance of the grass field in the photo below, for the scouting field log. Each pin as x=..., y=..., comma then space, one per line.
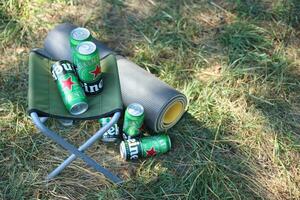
x=238, y=61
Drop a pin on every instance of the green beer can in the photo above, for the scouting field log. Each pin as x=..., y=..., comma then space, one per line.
x=79, y=35
x=133, y=120
x=69, y=87
x=87, y=64
x=112, y=134
x=145, y=147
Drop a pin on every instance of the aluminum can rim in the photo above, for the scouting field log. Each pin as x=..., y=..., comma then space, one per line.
x=135, y=109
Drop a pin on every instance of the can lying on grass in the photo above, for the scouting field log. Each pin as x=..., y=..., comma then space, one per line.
x=112, y=135
x=133, y=120
x=69, y=87
x=145, y=147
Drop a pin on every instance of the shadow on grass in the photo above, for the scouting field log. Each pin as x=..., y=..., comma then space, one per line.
x=12, y=27
x=18, y=149
x=160, y=35
x=250, y=54
x=287, y=12
x=13, y=89
x=273, y=81
x=202, y=164
x=14, y=80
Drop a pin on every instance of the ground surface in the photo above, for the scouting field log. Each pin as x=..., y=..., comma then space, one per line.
x=236, y=60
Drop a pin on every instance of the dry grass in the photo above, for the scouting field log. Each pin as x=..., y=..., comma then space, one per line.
x=238, y=63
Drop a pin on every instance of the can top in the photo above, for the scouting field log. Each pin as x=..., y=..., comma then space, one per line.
x=86, y=48
x=135, y=109
x=80, y=33
x=123, y=151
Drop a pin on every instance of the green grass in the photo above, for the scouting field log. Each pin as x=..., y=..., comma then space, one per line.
x=237, y=62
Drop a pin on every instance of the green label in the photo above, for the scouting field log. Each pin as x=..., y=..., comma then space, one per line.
x=71, y=90
x=132, y=124
x=68, y=86
x=131, y=127
x=88, y=70
x=155, y=145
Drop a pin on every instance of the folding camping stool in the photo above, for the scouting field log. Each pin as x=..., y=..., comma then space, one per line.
x=44, y=101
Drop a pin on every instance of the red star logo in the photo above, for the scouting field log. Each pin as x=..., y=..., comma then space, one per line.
x=151, y=152
x=96, y=71
x=68, y=83
x=142, y=128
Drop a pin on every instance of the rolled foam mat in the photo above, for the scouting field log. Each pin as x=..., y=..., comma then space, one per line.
x=163, y=105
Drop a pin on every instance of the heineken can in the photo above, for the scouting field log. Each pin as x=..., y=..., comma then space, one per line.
x=112, y=135
x=133, y=120
x=145, y=147
x=77, y=36
x=87, y=64
x=69, y=87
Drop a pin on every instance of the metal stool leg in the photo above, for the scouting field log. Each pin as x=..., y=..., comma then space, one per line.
x=43, y=119
x=86, y=145
x=72, y=149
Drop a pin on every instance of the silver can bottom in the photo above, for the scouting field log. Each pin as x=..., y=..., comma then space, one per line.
x=66, y=122
x=79, y=108
x=109, y=140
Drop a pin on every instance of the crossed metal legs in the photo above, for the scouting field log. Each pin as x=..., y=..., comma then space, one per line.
x=78, y=152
